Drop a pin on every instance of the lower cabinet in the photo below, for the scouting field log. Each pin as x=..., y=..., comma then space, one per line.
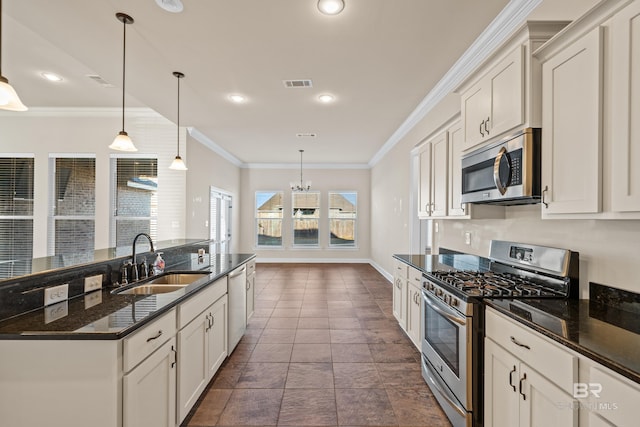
x=407, y=299
x=414, y=299
x=528, y=380
x=149, y=390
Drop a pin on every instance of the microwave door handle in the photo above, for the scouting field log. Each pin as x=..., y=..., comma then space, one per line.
x=496, y=171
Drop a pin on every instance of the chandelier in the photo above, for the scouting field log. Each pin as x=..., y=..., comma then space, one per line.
x=300, y=187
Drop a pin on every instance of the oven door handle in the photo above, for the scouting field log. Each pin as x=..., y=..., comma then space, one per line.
x=460, y=321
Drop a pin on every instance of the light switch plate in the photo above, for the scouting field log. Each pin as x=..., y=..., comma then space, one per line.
x=56, y=294
x=467, y=237
x=92, y=283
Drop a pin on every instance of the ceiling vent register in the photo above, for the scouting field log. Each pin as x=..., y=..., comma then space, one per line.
x=297, y=83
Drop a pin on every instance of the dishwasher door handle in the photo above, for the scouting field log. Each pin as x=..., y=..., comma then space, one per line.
x=237, y=272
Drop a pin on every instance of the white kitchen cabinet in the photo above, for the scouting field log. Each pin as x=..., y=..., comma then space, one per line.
x=400, y=279
x=433, y=177
x=503, y=94
x=149, y=390
x=572, y=130
x=528, y=378
x=494, y=104
x=414, y=301
x=251, y=284
x=625, y=109
x=456, y=145
x=237, y=289
x=202, y=343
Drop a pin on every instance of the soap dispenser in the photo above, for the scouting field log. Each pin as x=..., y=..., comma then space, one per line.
x=158, y=264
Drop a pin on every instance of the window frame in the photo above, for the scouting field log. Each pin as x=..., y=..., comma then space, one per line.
x=293, y=218
x=354, y=245
x=257, y=219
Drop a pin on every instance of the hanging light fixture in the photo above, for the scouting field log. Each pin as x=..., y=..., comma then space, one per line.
x=122, y=141
x=330, y=7
x=9, y=99
x=300, y=187
x=178, y=163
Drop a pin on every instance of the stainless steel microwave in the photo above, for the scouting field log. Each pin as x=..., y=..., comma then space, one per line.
x=506, y=172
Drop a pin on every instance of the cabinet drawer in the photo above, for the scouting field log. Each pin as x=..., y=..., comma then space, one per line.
x=188, y=310
x=415, y=277
x=251, y=266
x=618, y=401
x=146, y=340
x=401, y=269
x=546, y=357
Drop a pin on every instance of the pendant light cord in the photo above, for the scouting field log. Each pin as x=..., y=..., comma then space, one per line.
x=124, y=58
x=178, y=130
x=301, y=151
x=0, y=38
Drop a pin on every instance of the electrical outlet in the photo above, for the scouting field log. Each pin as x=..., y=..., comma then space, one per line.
x=56, y=294
x=435, y=227
x=92, y=283
x=467, y=237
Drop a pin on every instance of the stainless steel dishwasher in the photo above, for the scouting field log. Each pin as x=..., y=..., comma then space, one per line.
x=237, y=292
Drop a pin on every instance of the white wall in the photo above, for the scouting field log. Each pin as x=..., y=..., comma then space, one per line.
x=44, y=131
x=207, y=169
x=324, y=180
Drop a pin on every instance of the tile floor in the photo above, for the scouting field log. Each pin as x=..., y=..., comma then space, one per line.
x=322, y=349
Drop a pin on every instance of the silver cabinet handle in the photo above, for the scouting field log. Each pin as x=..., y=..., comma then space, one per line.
x=155, y=337
x=546, y=189
x=515, y=341
x=513, y=371
x=481, y=132
x=486, y=124
x=248, y=284
x=524, y=377
x=175, y=356
x=206, y=329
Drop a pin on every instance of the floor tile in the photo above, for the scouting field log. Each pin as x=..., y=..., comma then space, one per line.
x=351, y=353
x=286, y=312
x=208, y=412
x=364, y=407
x=228, y=375
x=311, y=353
x=347, y=336
x=416, y=407
x=313, y=323
x=281, y=323
x=344, y=323
x=314, y=312
x=356, y=375
x=401, y=375
x=263, y=375
x=252, y=408
x=312, y=336
x=310, y=375
x=277, y=336
x=271, y=353
x=308, y=408
x=386, y=353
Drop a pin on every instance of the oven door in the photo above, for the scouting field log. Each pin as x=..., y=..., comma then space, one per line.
x=446, y=345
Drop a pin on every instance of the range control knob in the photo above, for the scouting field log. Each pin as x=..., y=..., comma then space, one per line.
x=439, y=292
x=455, y=302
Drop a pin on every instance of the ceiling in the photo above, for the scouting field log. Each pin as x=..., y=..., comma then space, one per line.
x=379, y=58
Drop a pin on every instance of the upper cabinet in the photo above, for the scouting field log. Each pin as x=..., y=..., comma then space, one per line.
x=504, y=93
x=590, y=94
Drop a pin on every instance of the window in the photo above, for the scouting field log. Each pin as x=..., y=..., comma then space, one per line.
x=72, y=207
x=269, y=218
x=306, y=216
x=135, y=199
x=342, y=218
x=16, y=215
x=220, y=221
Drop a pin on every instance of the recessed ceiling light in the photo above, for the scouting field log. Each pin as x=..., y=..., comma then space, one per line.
x=330, y=7
x=326, y=98
x=174, y=6
x=237, y=98
x=51, y=77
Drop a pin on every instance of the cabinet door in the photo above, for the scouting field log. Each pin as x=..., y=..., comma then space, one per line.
x=413, y=315
x=572, y=128
x=217, y=344
x=476, y=105
x=439, y=167
x=543, y=404
x=192, y=369
x=506, y=84
x=625, y=109
x=456, y=145
x=251, y=283
x=500, y=386
x=400, y=301
x=149, y=390
x=424, y=184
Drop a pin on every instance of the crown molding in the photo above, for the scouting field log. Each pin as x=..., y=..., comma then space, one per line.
x=496, y=33
x=207, y=142
x=307, y=166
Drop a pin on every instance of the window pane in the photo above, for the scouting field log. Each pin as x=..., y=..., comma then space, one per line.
x=342, y=218
x=269, y=218
x=75, y=237
x=75, y=184
x=16, y=186
x=16, y=239
x=306, y=213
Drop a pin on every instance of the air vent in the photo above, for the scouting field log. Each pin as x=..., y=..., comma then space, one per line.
x=102, y=82
x=306, y=135
x=297, y=83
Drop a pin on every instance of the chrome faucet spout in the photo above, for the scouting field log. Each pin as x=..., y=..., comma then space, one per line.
x=134, y=272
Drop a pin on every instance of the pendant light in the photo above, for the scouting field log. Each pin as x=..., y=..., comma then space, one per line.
x=122, y=142
x=330, y=7
x=300, y=187
x=178, y=163
x=9, y=99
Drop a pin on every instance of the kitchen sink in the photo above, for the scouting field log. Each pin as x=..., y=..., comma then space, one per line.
x=168, y=282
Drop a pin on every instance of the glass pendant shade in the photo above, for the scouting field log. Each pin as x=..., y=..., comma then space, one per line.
x=330, y=7
x=9, y=99
x=178, y=164
x=122, y=142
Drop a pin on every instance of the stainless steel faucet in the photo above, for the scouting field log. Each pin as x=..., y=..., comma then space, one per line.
x=134, y=270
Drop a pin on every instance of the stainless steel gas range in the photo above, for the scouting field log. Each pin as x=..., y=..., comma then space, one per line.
x=453, y=316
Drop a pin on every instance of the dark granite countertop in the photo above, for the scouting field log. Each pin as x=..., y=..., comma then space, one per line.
x=103, y=315
x=605, y=329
